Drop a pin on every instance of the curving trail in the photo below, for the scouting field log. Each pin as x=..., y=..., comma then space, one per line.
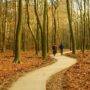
x=36, y=80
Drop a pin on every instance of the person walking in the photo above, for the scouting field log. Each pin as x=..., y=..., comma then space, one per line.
x=61, y=47
x=54, y=48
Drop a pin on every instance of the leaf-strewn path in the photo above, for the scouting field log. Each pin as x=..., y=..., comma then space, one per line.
x=36, y=80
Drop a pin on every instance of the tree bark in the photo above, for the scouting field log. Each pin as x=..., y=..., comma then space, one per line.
x=70, y=26
x=18, y=34
x=44, y=43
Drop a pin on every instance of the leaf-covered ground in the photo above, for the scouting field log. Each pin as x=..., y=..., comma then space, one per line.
x=76, y=77
x=9, y=72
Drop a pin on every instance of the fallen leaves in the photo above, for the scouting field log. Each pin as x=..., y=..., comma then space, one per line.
x=78, y=76
x=10, y=72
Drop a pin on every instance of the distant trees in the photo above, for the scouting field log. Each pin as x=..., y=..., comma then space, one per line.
x=54, y=6
x=43, y=28
x=37, y=24
x=83, y=19
x=28, y=22
x=79, y=24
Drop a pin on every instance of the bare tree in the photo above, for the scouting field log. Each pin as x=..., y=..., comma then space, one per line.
x=70, y=27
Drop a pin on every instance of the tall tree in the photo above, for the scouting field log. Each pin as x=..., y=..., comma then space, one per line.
x=29, y=26
x=47, y=31
x=15, y=12
x=44, y=48
x=84, y=30
x=70, y=26
x=81, y=21
x=18, y=34
x=88, y=24
x=4, y=27
x=43, y=28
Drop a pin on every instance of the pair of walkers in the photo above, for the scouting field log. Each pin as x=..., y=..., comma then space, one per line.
x=54, y=48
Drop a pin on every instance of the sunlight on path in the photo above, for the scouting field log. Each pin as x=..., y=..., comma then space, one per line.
x=36, y=80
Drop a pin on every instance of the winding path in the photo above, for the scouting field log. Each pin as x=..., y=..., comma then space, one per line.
x=36, y=80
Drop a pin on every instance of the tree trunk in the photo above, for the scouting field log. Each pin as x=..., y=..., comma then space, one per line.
x=84, y=32
x=70, y=26
x=47, y=33
x=5, y=28
x=18, y=34
x=44, y=43
x=15, y=3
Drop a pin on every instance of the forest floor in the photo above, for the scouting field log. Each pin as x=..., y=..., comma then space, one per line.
x=77, y=77
x=10, y=72
x=37, y=79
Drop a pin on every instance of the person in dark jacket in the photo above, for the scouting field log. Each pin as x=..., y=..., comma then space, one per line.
x=61, y=46
x=54, y=48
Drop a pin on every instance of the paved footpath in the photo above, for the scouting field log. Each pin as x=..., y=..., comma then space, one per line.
x=36, y=80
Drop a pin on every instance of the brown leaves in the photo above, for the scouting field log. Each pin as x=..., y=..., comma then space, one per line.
x=79, y=74
x=9, y=69
x=10, y=72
